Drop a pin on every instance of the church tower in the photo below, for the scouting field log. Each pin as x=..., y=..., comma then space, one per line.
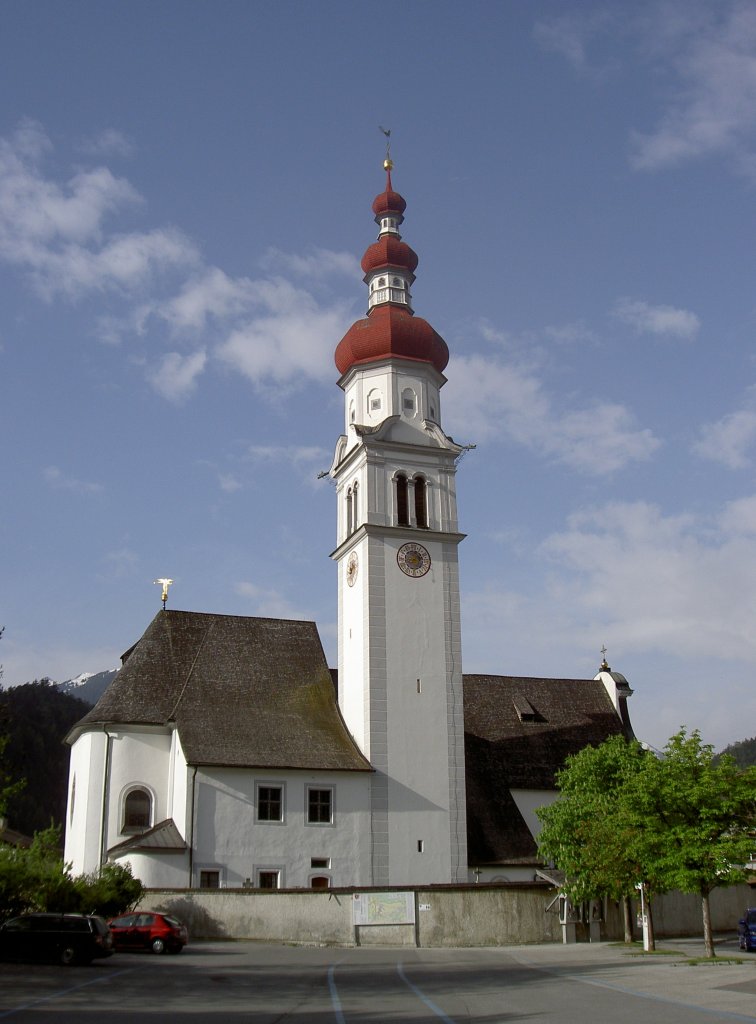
x=400, y=669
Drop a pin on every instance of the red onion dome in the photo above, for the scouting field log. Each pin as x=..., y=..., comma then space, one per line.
x=389, y=251
x=390, y=332
x=388, y=202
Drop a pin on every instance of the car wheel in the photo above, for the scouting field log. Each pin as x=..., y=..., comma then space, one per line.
x=158, y=946
x=68, y=956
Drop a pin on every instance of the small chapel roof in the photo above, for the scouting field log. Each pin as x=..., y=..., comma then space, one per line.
x=242, y=692
x=518, y=733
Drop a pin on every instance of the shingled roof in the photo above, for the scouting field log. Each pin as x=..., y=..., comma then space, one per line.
x=518, y=733
x=243, y=692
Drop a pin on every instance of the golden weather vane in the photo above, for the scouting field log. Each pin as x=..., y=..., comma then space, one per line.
x=388, y=162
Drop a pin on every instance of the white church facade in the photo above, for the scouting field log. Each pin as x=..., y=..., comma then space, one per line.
x=225, y=753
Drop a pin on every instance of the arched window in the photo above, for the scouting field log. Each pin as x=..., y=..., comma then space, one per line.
x=421, y=503
x=402, y=508
x=349, y=511
x=137, y=811
x=355, y=509
x=320, y=882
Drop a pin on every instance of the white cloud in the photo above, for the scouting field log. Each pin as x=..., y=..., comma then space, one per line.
x=210, y=294
x=664, y=583
x=108, y=143
x=729, y=440
x=485, y=398
x=316, y=264
x=56, y=232
x=660, y=320
x=269, y=603
x=712, y=107
x=292, y=343
x=571, y=34
x=56, y=478
x=175, y=378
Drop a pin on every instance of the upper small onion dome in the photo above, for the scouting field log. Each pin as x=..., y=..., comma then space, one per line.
x=389, y=251
x=391, y=332
x=388, y=201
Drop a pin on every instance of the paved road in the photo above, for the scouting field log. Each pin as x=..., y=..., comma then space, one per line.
x=254, y=984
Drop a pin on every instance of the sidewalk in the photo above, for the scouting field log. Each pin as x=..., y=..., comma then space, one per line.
x=666, y=976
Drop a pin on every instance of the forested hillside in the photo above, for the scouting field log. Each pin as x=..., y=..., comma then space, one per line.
x=36, y=717
x=743, y=751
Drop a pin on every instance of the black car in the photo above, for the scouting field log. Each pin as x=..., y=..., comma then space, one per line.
x=67, y=938
x=747, y=930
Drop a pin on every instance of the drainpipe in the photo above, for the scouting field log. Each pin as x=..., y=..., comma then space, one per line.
x=191, y=829
x=105, y=796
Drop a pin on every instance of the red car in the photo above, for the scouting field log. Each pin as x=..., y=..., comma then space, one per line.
x=159, y=932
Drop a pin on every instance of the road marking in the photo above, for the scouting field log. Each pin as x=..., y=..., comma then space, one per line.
x=335, y=1001
x=65, y=992
x=421, y=995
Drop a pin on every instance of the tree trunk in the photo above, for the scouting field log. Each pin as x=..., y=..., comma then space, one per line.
x=708, y=937
x=627, y=917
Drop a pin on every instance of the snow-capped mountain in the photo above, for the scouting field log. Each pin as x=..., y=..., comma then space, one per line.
x=88, y=686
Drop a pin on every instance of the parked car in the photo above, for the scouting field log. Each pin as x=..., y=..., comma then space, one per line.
x=159, y=932
x=67, y=938
x=747, y=930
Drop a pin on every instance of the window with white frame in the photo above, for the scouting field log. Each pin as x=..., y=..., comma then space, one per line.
x=209, y=879
x=319, y=806
x=137, y=810
x=268, y=878
x=270, y=802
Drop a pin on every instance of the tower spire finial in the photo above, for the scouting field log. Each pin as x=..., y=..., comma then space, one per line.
x=388, y=163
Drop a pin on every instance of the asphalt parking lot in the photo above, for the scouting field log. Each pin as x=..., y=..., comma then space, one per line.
x=260, y=984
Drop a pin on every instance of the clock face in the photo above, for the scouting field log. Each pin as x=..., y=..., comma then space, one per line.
x=413, y=559
x=353, y=565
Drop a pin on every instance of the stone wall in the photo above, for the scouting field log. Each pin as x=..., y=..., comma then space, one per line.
x=474, y=915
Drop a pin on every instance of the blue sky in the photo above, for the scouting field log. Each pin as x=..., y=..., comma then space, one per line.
x=185, y=195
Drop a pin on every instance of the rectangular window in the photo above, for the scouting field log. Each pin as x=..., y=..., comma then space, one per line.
x=320, y=862
x=267, y=879
x=319, y=806
x=270, y=803
x=209, y=879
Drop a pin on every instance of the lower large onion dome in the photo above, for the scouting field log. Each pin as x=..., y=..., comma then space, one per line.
x=390, y=331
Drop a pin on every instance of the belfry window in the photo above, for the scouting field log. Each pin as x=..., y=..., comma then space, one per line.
x=137, y=811
x=402, y=505
x=421, y=503
x=352, y=510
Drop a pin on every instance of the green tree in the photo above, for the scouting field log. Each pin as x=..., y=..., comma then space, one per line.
x=588, y=832
x=684, y=820
x=37, y=879
x=695, y=819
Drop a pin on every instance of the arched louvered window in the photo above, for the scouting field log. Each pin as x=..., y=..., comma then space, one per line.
x=137, y=811
x=421, y=503
x=402, y=506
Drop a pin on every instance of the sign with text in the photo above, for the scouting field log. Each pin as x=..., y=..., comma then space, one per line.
x=376, y=908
